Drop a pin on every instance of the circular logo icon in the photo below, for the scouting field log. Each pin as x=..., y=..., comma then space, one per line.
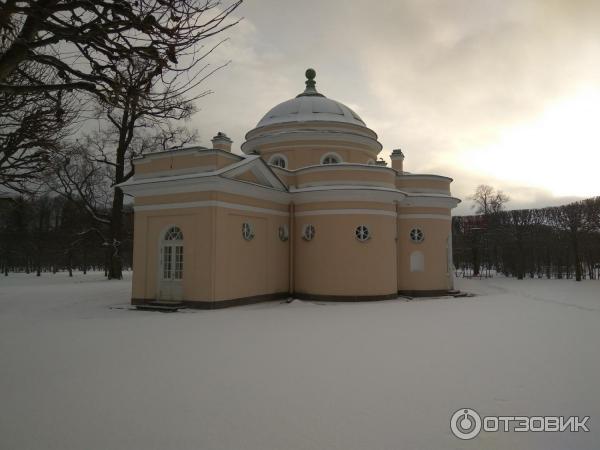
x=465, y=423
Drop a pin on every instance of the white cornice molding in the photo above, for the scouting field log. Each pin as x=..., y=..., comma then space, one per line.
x=423, y=176
x=343, y=166
x=196, y=151
x=208, y=204
x=310, y=125
x=416, y=190
x=331, y=212
x=174, y=172
x=346, y=193
x=208, y=184
x=425, y=216
x=345, y=183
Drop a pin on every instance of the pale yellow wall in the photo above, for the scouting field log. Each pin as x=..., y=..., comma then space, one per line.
x=174, y=161
x=368, y=175
x=197, y=227
x=247, y=176
x=335, y=263
x=424, y=210
x=436, y=275
x=311, y=156
x=379, y=206
x=398, y=164
x=220, y=265
x=209, y=195
x=250, y=268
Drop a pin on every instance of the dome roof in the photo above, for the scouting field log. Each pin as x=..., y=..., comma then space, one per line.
x=310, y=106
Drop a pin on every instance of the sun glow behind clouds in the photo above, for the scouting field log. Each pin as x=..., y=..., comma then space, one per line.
x=558, y=151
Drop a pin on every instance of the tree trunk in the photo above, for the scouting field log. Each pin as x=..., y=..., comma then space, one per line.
x=577, y=262
x=115, y=270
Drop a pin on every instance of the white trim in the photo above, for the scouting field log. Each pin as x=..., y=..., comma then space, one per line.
x=414, y=190
x=425, y=216
x=313, y=125
x=197, y=150
x=175, y=172
x=327, y=212
x=431, y=200
x=259, y=168
x=345, y=183
x=212, y=183
x=424, y=176
x=335, y=155
x=342, y=166
x=208, y=204
x=255, y=142
x=346, y=193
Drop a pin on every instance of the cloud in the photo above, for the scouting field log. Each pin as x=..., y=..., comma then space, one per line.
x=439, y=79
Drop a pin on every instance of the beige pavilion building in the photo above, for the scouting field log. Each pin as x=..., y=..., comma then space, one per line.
x=307, y=212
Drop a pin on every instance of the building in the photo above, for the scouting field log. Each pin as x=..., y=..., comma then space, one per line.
x=308, y=212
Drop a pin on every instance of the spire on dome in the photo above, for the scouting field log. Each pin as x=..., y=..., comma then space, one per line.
x=310, y=90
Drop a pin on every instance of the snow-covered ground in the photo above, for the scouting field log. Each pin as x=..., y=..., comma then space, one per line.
x=77, y=374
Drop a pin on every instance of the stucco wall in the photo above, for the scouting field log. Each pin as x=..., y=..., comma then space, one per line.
x=435, y=275
x=336, y=263
x=339, y=174
x=197, y=227
x=218, y=263
x=308, y=155
x=250, y=268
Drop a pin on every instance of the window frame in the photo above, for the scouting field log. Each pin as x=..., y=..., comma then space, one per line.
x=336, y=156
x=416, y=235
x=280, y=156
x=361, y=230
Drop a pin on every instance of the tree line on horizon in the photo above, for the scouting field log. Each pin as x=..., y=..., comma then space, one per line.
x=49, y=233
x=552, y=242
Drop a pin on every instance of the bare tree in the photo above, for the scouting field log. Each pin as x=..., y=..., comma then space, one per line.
x=486, y=200
x=82, y=41
x=32, y=126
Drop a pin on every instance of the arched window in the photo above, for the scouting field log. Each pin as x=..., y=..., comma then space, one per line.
x=331, y=158
x=172, y=254
x=174, y=234
x=279, y=161
x=417, y=261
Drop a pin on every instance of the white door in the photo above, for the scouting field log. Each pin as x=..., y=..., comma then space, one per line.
x=171, y=265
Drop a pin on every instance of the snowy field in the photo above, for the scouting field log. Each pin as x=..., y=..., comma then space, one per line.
x=76, y=373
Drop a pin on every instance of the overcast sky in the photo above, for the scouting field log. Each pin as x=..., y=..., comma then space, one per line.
x=505, y=92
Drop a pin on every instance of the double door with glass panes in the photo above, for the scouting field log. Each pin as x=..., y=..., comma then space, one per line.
x=171, y=266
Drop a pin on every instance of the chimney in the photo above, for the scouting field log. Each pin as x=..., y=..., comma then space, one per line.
x=222, y=142
x=397, y=158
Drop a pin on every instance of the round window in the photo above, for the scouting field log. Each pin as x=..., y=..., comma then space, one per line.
x=416, y=235
x=309, y=232
x=284, y=233
x=247, y=231
x=362, y=233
